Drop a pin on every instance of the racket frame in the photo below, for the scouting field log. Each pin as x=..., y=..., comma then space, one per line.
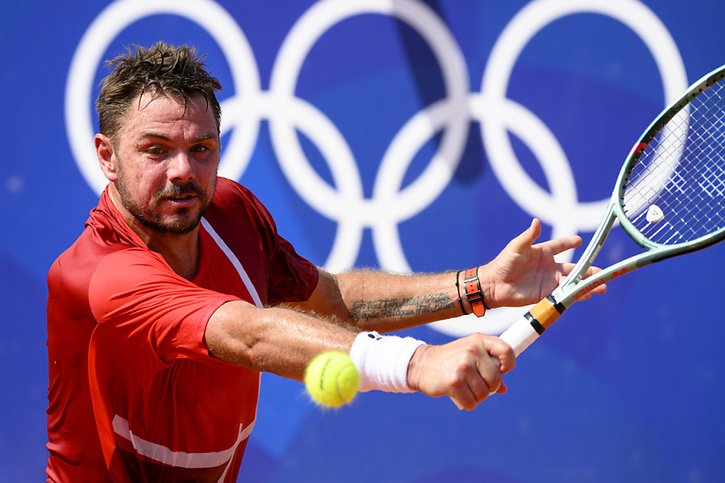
x=532, y=324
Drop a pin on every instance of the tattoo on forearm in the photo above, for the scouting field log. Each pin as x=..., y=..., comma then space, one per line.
x=380, y=309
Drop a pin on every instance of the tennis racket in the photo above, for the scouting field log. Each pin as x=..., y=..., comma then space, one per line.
x=669, y=198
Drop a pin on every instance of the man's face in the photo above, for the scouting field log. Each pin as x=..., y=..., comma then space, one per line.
x=166, y=160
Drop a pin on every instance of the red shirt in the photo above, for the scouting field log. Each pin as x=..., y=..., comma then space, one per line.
x=134, y=394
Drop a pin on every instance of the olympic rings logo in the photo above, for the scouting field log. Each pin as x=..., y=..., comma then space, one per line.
x=390, y=203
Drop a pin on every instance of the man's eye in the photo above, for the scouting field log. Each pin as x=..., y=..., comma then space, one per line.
x=155, y=150
x=200, y=148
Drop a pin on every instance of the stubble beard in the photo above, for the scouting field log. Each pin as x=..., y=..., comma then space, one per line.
x=152, y=219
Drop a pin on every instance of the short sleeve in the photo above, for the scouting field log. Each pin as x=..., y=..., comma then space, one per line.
x=150, y=305
x=291, y=277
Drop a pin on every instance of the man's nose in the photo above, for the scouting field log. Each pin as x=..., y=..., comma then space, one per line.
x=180, y=167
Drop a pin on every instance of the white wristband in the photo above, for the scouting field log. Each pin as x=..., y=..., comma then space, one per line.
x=383, y=361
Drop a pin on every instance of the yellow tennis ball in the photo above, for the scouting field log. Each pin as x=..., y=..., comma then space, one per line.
x=332, y=379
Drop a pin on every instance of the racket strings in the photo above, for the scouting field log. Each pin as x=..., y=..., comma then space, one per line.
x=675, y=193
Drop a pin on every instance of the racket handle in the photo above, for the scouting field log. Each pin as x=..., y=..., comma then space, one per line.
x=532, y=324
x=520, y=335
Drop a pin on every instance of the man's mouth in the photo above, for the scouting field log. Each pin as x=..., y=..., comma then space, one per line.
x=182, y=200
x=180, y=196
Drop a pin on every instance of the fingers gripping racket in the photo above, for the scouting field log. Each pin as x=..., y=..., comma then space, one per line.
x=669, y=197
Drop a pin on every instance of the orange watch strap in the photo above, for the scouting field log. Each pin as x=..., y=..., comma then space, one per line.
x=472, y=285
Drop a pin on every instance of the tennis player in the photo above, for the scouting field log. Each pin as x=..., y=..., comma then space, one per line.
x=180, y=291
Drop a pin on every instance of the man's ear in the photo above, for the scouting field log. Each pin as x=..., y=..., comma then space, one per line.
x=106, y=156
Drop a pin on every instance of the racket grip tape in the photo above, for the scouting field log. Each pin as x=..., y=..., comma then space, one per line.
x=531, y=325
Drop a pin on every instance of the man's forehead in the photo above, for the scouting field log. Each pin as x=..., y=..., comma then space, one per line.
x=152, y=99
x=155, y=109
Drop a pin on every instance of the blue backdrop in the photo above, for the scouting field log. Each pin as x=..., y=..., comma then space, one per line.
x=409, y=136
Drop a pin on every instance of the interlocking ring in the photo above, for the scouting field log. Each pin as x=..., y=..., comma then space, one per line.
x=390, y=203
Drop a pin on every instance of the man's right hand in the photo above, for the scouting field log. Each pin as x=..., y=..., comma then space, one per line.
x=466, y=370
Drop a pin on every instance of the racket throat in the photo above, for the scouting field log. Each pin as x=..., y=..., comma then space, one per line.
x=544, y=313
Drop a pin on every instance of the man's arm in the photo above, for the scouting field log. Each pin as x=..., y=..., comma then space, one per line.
x=283, y=341
x=523, y=273
x=275, y=339
x=383, y=302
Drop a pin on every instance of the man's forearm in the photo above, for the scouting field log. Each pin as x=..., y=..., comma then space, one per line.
x=387, y=302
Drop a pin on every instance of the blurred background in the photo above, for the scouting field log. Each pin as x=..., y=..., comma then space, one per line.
x=410, y=136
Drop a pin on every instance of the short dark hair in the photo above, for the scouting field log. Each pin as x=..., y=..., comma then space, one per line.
x=162, y=69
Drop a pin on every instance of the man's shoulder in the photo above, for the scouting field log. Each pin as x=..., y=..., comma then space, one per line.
x=232, y=200
x=93, y=246
x=101, y=235
x=230, y=192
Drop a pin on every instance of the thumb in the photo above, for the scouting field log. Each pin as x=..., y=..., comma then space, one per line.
x=524, y=241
